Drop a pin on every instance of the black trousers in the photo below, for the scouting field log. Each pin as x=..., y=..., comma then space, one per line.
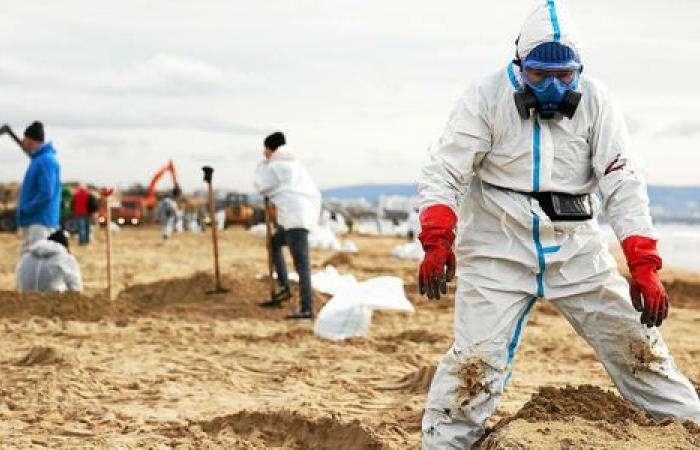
x=297, y=239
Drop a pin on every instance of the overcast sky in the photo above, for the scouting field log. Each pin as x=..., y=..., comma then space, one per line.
x=360, y=87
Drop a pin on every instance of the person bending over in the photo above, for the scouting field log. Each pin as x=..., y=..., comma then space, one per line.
x=48, y=266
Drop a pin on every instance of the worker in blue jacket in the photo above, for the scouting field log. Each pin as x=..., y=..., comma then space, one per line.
x=40, y=196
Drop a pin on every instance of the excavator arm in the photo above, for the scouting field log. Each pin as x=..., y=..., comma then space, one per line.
x=151, y=199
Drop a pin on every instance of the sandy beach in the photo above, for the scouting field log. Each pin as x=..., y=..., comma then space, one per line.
x=164, y=365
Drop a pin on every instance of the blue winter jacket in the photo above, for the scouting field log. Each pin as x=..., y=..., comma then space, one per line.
x=40, y=196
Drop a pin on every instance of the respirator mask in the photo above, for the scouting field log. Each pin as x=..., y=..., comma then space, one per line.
x=548, y=97
x=551, y=93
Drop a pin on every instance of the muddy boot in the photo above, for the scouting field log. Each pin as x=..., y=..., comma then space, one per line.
x=277, y=298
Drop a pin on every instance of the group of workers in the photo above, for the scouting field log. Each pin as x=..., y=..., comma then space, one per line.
x=46, y=264
x=512, y=180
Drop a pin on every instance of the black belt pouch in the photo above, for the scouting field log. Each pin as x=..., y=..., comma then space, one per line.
x=562, y=207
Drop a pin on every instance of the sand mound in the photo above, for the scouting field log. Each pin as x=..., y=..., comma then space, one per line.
x=179, y=296
x=683, y=293
x=586, y=417
x=189, y=296
x=67, y=306
x=586, y=401
x=582, y=434
x=39, y=356
x=283, y=429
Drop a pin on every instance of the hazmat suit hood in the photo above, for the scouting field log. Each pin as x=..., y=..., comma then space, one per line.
x=46, y=249
x=549, y=22
x=48, y=267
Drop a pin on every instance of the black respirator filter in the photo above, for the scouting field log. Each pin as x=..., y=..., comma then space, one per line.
x=569, y=104
x=525, y=100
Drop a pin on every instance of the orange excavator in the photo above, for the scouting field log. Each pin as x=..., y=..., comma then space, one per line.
x=149, y=202
x=138, y=208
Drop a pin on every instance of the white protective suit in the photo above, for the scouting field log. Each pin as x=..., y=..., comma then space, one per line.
x=48, y=267
x=167, y=213
x=291, y=189
x=510, y=253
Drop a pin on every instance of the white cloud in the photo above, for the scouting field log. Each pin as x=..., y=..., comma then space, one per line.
x=161, y=74
x=361, y=88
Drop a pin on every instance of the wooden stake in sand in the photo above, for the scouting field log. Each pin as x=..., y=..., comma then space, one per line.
x=105, y=193
x=268, y=242
x=218, y=289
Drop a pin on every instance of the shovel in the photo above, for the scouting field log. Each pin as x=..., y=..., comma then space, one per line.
x=5, y=129
x=218, y=289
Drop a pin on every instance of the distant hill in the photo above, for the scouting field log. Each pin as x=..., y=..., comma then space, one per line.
x=666, y=201
x=370, y=192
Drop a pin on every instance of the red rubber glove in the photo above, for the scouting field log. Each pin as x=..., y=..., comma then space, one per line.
x=439, y=264
x=648, y=294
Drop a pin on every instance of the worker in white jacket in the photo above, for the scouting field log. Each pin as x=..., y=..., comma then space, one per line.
x=515, y=173
x=48, y=266
x=282, y=178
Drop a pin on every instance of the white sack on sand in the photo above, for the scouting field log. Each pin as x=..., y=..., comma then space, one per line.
x=349, y=312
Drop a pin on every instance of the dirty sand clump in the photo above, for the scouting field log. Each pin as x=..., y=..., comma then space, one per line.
x=39, y=356
x=643, y=356
x=472, y=376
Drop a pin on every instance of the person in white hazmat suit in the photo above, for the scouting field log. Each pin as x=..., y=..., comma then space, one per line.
x=48, y=266
x=282, y=178
x=167, y=213
x=515, y=173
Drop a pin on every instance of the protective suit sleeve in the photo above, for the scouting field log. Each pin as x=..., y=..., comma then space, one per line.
x=266, y=181
x=624, y=191
x=453, y=158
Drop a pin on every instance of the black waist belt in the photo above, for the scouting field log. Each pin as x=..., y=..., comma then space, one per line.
x=562, y=207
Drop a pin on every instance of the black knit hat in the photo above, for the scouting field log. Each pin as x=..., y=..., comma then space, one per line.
x=275, y=141
x=35, y=131
x=60, y=237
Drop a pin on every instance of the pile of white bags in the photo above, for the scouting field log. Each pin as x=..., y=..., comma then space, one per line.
x=321, y=237
x=349, y=312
